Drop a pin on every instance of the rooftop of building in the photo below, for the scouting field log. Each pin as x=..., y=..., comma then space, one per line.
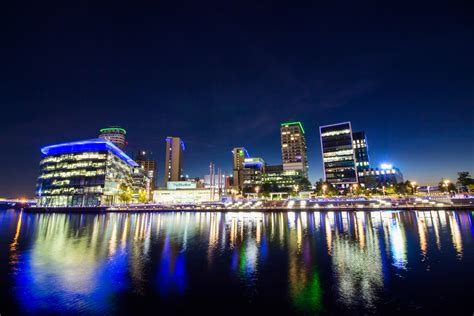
x=293, y=123
x=113, y=129
x=89, y=145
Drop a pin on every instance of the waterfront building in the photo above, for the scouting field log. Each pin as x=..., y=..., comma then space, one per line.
x=174, y=159
x=114, y=134
x=277, y=179
x=83, y=173
x=361, y=150
x=254, y=168
x=182, y=196
x=384, y=176
x=337, y=149
x=293, y=147
x=239, y=154
x=143, y=159
x=180, y=185
x=140, y=181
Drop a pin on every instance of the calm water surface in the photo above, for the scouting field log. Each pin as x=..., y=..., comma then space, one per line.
x=233, y=263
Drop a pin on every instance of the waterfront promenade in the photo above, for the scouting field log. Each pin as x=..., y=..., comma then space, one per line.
x=323, y=204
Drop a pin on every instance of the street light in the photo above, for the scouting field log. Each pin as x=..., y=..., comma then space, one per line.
x=296, y=189
x=353, y=188
x=256, y=190
x=413, y=185
x=324, y=189
x=446, y=185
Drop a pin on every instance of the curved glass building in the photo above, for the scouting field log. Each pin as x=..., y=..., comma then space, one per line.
x=83, y=173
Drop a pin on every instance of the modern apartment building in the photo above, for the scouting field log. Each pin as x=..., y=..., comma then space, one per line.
x=293, y=147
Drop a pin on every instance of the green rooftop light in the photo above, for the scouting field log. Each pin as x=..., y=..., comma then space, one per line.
x=293, y=123
x=113, y=129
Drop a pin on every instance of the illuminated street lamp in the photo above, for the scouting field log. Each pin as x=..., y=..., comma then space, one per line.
x=324, y=187
x=256, y=190
x=413, y=185
x=296, y=188
x=353, y=188
x=446, y=184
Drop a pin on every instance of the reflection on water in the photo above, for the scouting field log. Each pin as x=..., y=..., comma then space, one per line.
x=316, y=262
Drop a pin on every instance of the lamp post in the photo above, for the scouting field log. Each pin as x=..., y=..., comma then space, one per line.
x=383, y=190
x=354, y=187
x=324, y=187
x=413, y=185
x=256, y=190
x=296, y=189
x=446, y=185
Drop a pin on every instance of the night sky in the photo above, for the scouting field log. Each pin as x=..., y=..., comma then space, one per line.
x=226, y=74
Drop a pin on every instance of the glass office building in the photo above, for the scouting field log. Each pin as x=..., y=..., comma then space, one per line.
x=361, y=150
x=254, y=168
x=279, y=179
x=338, y=154
x=376, y=177
x=83, y=173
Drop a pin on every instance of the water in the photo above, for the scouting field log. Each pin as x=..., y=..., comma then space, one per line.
x=234, y=263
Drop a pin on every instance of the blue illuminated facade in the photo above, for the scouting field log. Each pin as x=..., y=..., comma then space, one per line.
x=254, y=168
x=84, y=174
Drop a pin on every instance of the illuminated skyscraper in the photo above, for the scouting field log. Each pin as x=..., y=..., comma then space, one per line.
x=338, y=154
x=174, y=159
x=361, y=151
x=114, y=134
x=239, y=155
x=293, y=147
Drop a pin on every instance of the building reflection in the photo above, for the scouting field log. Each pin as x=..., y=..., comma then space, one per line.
x=304, y=284
x=62, y=261
x=356, y=259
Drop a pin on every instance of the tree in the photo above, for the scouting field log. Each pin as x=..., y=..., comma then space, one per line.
x=403, y=188
x=142, y=196
x=464, y=178
x=325, y=188
x=445, y=185
x=125, y=193
x=390, y=190
x=303, y=184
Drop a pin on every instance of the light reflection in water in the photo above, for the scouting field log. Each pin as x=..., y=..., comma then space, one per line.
x=85, y=262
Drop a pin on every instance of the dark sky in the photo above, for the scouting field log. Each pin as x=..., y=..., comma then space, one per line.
x=225, y=74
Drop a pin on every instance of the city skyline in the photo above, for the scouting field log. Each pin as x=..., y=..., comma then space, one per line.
x=404, y=80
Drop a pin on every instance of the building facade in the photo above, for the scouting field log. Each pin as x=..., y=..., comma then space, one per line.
x=361, y=150
x=115, y=135
x=338, y=154
x=141, y=181
x=277, y=179
x=293, y=147
x=239, y=154
x=254, y=168
x=83, y=173
x=143, y=159
x=174, y=159
x=376, y=177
